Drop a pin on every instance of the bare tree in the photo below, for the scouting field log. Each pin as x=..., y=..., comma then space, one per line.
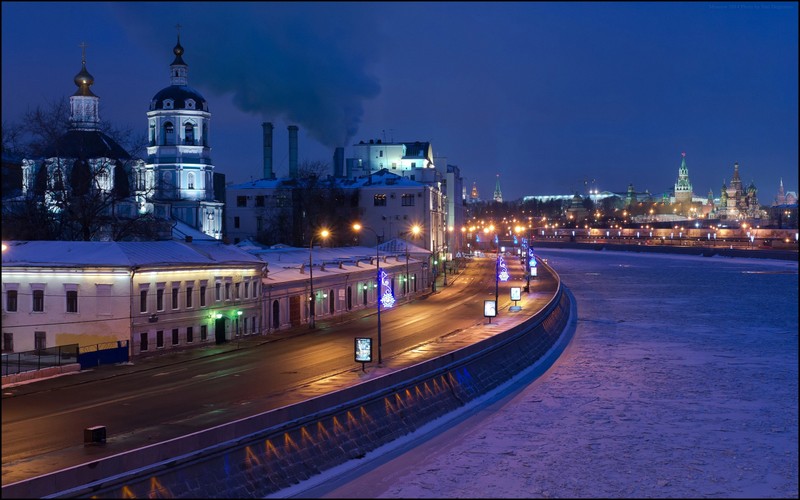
x=43, y=126
x=319, y=202
x=71, y=199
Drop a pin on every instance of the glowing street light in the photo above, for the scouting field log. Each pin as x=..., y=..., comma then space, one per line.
x=313, y=299
x=380, y=298
x=415, y=230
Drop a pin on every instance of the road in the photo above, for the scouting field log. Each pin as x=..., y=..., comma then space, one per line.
x=43, y=422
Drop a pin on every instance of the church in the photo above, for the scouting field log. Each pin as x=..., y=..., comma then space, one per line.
x=178, y=170
x=173, y=187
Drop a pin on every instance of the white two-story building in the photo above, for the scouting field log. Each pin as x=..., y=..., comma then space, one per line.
x=155, y=295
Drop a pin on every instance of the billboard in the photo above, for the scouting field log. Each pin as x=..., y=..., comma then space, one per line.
x=489, y=309
x=363, y=349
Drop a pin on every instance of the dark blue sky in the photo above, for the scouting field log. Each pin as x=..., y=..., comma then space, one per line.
x=548, y=95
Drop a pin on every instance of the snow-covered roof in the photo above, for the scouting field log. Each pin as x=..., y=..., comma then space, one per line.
x=381, y=178
x=399, y=245
x=123, y=254
x=291, y=263
x=180, y=230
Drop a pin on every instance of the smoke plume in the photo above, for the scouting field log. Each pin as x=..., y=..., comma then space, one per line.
x=306, y=63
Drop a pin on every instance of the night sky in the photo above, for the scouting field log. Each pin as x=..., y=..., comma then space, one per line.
x=553, y=97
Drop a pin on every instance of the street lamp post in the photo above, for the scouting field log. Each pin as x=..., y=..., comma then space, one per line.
x=528, y=257
x=358, y=227
x=496, y=279
x=415, y=231
x=460, y=250
x=496, y=266
x=435, y=264
x=446, y=248
x=322, y=234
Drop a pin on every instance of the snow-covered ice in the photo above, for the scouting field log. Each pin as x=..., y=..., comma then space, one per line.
x=681, y=381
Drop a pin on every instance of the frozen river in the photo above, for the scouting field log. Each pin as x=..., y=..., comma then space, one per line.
x=680, y=381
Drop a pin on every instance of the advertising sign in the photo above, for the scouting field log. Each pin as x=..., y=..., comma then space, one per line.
x=489, y=309
x=363, y=349
x=515, y=292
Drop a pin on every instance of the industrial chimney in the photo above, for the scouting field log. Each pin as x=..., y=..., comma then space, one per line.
x=338, y=162
x=268, y=173
x=292, y=151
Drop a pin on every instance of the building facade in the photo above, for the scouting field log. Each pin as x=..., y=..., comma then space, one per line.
x=158, y=296
x=738, y=202
x=178, y=170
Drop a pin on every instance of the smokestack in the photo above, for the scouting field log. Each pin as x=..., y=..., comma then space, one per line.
x=268, y=173
x=338, y=162
x=292, y=151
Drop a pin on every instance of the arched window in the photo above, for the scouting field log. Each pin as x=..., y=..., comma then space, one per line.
x=103, y=178
x=152, y=134
x=189, y=134
x=190, y=180
x=169, y=133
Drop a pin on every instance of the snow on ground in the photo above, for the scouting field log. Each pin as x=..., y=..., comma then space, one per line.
x=681, y=381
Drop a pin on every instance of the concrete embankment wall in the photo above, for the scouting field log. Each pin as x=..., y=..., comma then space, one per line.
x=254, y=457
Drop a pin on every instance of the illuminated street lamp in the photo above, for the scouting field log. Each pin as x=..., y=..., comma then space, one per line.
x=446, y=248
x=380, y=297
x=322, y=234
x=415, y=229
x=461, y=245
